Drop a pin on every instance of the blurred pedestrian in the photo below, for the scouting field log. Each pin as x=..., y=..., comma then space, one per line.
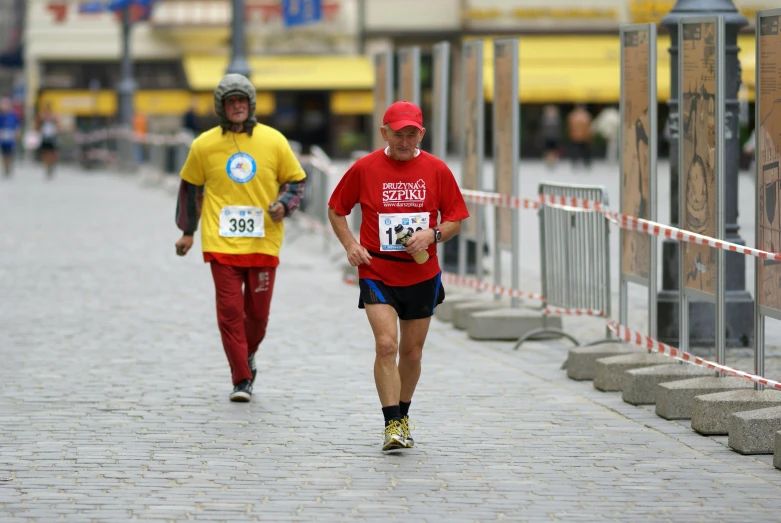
x=10, y=129
x=242, y=178
x=190, y=120
x=607, y=125
x=140, y=130
x=550, y=131
x=579, y=133
x=749, y=150
x=48, y=126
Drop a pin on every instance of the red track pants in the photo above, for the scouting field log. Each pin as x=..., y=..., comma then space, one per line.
x=243, y=303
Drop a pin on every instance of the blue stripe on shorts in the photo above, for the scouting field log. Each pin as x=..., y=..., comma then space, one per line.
x=376, y=290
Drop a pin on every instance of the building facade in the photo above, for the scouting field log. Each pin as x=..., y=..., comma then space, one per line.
x=11, y=22
x=315, y=82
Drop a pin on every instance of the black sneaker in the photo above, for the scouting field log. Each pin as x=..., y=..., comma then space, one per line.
x=252, y=366
x=242, y=392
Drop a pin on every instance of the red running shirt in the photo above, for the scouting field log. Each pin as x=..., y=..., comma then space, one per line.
x=383, y=185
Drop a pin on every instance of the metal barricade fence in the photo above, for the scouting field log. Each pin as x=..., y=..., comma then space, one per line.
x=574, y=257
x=314, y=205
x=109, y=147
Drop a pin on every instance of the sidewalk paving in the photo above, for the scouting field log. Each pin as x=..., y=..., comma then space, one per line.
x=114, y=401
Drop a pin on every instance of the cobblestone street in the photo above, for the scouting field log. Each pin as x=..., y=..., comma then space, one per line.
x=114, y=401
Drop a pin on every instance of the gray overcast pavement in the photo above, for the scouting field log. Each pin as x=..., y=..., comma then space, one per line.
x=115, y=403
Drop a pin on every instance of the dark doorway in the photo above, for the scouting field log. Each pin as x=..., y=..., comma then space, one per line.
x=303, y=117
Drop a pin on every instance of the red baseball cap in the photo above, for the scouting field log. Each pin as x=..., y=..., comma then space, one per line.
x=401, y=114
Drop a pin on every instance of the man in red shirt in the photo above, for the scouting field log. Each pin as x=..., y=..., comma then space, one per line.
x=401, y=190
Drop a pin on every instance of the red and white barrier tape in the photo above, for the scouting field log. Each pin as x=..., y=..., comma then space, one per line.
x=516, y=202
x=473, y=283
x=622, y=220
x=553, y=200
x=148, y=138
x=628, y=223
x=500, y=200
x=645, y=342
x=559, y=311
x=666, y=231
x=448, y=277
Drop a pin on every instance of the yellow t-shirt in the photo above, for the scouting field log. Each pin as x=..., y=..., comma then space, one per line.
x=241, y=170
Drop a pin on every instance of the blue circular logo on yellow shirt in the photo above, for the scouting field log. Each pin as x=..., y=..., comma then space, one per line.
x=241, y=167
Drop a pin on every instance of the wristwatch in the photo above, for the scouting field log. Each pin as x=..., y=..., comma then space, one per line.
x=437, y=235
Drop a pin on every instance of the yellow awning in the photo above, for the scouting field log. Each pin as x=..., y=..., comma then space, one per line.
x=80, y=103
x=568, y=69
x=352, y=102
x=150, y=103
x=286, y=73
x=175, y=102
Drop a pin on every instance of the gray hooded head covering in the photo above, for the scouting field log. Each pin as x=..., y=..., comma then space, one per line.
x=235, y=84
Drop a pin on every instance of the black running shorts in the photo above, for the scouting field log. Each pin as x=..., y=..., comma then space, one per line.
x=412, y=302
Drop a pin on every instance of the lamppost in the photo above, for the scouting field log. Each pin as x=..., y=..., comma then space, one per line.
x=127, y=84
x=239, y=63
x=126, y=90
x=740, y=307
x=361, y=29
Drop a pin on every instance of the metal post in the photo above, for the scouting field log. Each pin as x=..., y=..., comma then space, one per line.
x=361, y=29
x=721, y=282
x=653, y=143
x=765, y=177
x=239, y=63
x=440, y=101
x=409, y=74
x=506, y=116
x=633, y=83
x=739, y=304
x=126, y=90
x=472, y=152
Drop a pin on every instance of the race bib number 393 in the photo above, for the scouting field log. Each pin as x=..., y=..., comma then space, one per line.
x=396, y=228
x=241, y=221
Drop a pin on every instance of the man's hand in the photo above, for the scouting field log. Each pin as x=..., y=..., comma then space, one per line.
x=420, y=241
x=183, y=245
x=357, y=254
x=276, y=212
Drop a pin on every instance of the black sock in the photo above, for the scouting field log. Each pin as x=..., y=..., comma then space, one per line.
x=404, y=408
x=391, y=413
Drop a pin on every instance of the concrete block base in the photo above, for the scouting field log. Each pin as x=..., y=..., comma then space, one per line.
x=640, y=384
x=710, y=413
x=507, y=324
x=582, y=361
x=609, y=372
x=444, y=311
x=674, y=400
x=463, y=311
x=754, y=431
x=777, y=452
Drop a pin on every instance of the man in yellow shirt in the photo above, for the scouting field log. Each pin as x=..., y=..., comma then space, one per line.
x=253, y=180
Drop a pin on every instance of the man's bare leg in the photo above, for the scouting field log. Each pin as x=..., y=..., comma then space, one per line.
x=383, y=320
x=413, y=336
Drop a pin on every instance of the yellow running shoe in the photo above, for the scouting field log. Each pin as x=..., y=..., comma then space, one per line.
x=406, y=427
x=394, y=436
